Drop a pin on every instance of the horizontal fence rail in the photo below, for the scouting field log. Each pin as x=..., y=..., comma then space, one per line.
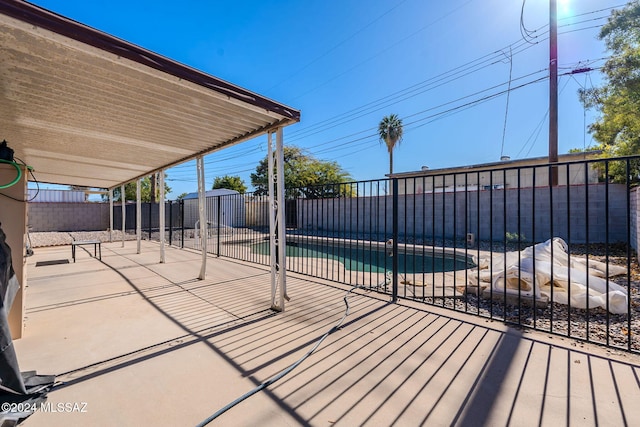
x=501, y=243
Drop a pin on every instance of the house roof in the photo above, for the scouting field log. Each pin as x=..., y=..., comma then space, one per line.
x=507, y=163
x=85, y=108
x=211, y=193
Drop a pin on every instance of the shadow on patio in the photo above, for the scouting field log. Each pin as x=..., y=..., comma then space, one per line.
x=143, y=343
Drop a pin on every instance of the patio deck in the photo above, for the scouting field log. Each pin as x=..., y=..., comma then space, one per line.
x=143, y=343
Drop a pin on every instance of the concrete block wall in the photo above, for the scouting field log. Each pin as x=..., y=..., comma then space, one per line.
x=594, y=213
x=579, y=214
x=68, y=216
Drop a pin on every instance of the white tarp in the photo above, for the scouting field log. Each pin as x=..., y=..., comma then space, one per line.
x=536, y=270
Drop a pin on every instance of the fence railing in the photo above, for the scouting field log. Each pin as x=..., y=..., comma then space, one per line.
x=499, y=243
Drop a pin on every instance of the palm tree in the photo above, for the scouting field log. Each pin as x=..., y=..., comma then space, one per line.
x=390, y=131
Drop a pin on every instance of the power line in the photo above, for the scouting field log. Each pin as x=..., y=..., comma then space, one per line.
x=407, y=93
x=371, y=136
x=420, y=121
x=399, y=96
x=342, y=42
x=538, y=129
x=421, y=87
x=409, y=126
x=381, y=52
x=527, y=35
x=506, y=110
x=372, y=131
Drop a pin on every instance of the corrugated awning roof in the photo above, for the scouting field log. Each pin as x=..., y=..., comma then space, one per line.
x=85, y=108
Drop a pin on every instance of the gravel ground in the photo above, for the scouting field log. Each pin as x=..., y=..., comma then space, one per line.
x=595, y=325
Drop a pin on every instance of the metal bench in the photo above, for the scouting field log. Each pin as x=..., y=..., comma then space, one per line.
x=97, y=248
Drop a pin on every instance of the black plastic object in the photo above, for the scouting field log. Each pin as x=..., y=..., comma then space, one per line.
x=9, y=372
x=6, y=153
x=20, y=392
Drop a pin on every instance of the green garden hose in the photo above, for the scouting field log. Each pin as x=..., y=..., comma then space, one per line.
x=18, y=175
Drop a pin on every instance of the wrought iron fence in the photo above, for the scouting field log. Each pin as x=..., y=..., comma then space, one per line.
x=503, y=243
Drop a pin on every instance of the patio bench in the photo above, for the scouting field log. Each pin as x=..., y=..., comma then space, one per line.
x=97, y=248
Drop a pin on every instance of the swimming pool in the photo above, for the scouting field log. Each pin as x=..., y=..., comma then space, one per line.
x=367, y=258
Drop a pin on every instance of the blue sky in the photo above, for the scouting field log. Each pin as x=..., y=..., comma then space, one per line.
x=443, y=67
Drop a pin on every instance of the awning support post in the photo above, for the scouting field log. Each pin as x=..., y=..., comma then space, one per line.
x=202, y=215
x=161, y=213
x=110, y=215
x=123, y=199
x=277, y=227
x=138, y=215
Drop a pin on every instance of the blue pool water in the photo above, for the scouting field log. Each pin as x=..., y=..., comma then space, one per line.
x=363, y=258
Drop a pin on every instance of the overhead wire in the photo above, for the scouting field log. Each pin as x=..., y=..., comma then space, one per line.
x=372, y=131
x=527, y=35
x=421, y=87
x=409, y=126
x=584, y=108
x=382, y=51
x=363, y=113
x=335, y=47
x=402, y=95
x=371, y=134
x=326, y=150
x=376, y=104
x=539, y=127
x=506, y=110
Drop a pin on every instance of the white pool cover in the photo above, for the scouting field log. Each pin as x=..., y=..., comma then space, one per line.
x=547, y=270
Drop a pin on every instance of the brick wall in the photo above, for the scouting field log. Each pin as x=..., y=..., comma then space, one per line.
x=68, y=216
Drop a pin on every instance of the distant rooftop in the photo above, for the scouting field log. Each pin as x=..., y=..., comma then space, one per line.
x=211, y=193
x=507, y=162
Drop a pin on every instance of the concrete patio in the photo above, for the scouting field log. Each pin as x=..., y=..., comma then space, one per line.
x=144, y=343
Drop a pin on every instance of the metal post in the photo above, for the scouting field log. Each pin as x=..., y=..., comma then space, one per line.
x=111, y=215
x=182, y=224
x=276, y=222
x=161, y=214
x=170, y=223
x=218, y=226
x=282, y=227
x=273, y=261
x=202, y=215
x=150, y=211
x=123, y=199
x=394, y=261
x=553, y=91
x=138, y=215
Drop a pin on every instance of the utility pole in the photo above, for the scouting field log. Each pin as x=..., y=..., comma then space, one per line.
x=553, y=91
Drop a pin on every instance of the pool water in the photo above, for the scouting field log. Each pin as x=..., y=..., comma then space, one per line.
x=363, y=258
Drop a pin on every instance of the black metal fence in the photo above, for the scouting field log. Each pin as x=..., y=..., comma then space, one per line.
x=150, y=220
x=506, y=243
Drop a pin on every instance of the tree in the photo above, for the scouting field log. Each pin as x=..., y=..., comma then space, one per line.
x=305, y=176
x=145, y=190
x=390, y=131
x=617, y=130
x=230, y=183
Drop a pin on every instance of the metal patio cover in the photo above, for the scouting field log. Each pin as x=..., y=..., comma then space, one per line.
x=85, y=108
